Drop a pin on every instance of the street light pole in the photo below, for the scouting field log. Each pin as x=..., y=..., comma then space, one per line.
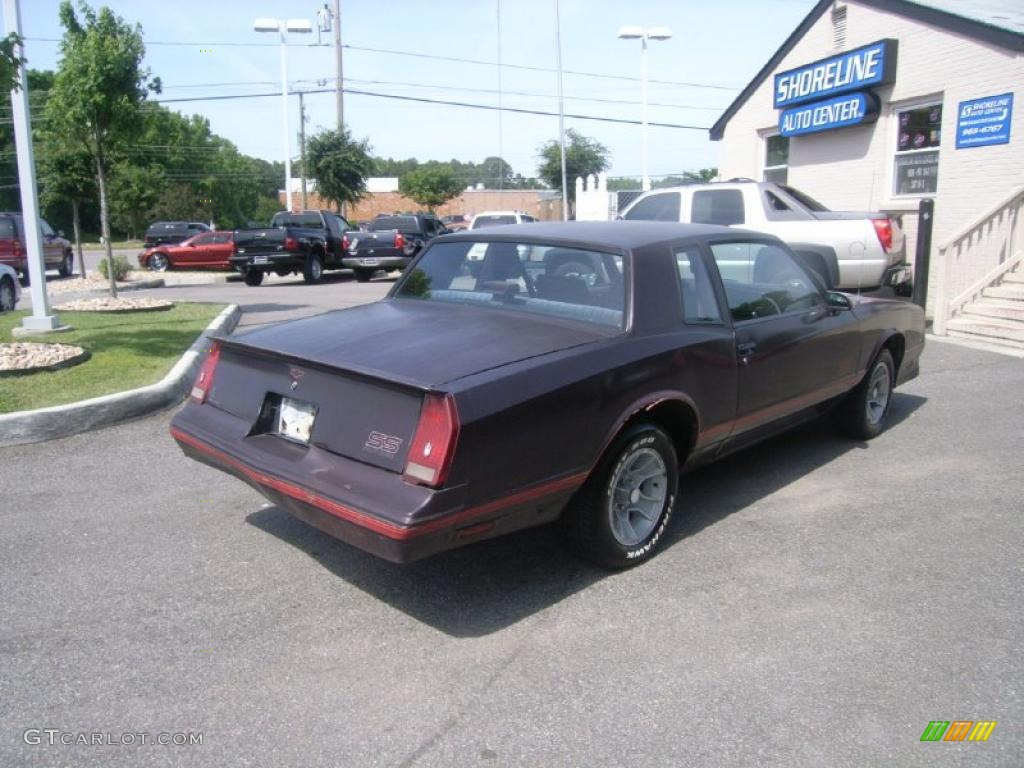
x=339, y=97
x=561, y=112
x=302, y=26
x=41, y=319
x=643, y=35
x=284, y=122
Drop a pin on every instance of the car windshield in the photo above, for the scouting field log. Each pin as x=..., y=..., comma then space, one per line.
x=804, y=199
x=490, y=221
x=306, y=220
x=553, y=280
x=382, y=223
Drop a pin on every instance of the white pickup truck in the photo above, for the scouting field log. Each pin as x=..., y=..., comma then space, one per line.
x=849, y=251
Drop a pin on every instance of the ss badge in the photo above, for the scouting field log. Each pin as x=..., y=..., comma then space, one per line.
x=381, y=443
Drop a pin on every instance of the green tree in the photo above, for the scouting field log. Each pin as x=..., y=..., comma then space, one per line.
x=10, y=60
x=583, y=156
x=340, y=165
x=430, y=186
x=66, y=176
x=98, y=93
x=134, y=191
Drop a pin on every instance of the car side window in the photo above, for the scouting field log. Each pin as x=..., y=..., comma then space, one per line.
x=47, y=229
x=6, y=229
x=761, y=279
x=219, y=239
x=699, y=302
x=343, y=223
x=203, y=240
x=717, y=206
x=661, y=206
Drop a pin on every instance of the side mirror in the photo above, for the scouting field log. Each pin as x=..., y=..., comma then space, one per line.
x=837, y=300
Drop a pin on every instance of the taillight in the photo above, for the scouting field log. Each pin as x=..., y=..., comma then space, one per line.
x=204, y=381
x=344, y=242
x=291, y=244
x=433, y=445
x=883, y=228
x=399, y=240
x=16, y=245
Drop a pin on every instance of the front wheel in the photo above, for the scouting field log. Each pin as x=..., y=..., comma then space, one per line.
x=863, y=412
x=6, y=294
x=158, y=262
x=620, y=514
x=313, y=269
x=253, y=277
x=67, y=265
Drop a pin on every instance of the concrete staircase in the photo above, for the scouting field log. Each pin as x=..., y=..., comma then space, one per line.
x=996, y=316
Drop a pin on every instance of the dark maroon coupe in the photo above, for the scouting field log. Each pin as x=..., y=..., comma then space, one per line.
x=522, y=374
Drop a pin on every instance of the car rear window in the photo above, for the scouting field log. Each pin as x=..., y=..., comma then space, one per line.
x=570, y=283
x=382, y=223
x=491, y=221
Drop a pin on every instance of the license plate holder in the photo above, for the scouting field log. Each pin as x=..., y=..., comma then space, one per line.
x=295, y=420
x=368, y=262
x=259, y=259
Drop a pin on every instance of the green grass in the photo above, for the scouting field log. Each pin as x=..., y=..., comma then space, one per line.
x=128, y=350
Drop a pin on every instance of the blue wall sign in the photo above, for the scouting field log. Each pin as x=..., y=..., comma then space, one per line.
x=855, y=70
x=838, y=112
x=985, y=121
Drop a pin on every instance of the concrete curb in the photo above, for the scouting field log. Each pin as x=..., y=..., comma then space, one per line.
x=70, y=419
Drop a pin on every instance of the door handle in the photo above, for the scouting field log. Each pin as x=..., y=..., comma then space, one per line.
x=746, y=348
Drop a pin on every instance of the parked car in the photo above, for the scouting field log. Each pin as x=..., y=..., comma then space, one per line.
x=497, y=218
x=514, y=391
x=168, y=232
x=210, y=250
x=456, y=222
x=307, y=242
x=850, y=251
x=389, y=242
x=10, y=288
x=57, y=253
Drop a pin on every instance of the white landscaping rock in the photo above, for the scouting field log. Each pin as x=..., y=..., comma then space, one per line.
x=108, y=304
x=22, y=356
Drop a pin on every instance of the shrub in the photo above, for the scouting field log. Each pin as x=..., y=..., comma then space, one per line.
x=121, y=267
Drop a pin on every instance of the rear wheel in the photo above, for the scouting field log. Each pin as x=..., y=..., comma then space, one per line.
x=6, y=294
x=253, y=277
x=863, y=412
x=363, y=275
x=313, y=269
x=67, y=265
x=620, y=514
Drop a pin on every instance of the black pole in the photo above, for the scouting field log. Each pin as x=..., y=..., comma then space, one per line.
x=923, y=254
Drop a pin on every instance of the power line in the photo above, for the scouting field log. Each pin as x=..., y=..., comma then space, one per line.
x=436, y=57
x=423, y=100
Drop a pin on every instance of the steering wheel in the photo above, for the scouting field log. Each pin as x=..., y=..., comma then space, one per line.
x=584, y=272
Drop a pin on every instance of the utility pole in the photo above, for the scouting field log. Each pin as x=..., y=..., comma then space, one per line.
x=339, y=79
x=561, y=112
x=302, y=146
x=41, y=319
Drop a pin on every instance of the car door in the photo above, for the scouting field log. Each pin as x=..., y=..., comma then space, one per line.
x=194, y=252
x=218, y=252
x=793, y=349
x=53, y=249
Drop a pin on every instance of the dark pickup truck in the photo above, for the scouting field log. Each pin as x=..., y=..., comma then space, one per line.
x=390, y=242
x=304, y=241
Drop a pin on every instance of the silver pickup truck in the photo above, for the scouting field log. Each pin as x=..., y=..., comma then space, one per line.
x=850, y=251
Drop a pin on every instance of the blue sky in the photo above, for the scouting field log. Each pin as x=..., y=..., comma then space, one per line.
x=720, y=44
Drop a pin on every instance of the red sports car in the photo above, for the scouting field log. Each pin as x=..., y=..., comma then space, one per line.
x=209, y=250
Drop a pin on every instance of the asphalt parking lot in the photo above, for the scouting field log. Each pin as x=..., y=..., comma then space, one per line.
x=818, y=602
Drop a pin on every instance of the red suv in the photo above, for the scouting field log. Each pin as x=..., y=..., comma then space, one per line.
x=57, y=253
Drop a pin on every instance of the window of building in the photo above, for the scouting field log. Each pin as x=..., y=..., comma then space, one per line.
x=839, y=26
x=916, y=163
x=699, y=303
x=776, y=158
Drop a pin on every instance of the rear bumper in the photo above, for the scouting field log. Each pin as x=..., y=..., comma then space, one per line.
x=376, y=262
x=369, y=508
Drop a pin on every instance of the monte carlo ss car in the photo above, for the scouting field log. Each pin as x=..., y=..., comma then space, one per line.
x=573, y=372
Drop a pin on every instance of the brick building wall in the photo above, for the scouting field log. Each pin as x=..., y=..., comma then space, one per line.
x=470, y=202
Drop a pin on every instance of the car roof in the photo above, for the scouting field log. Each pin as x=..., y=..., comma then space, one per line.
x=626, y=235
